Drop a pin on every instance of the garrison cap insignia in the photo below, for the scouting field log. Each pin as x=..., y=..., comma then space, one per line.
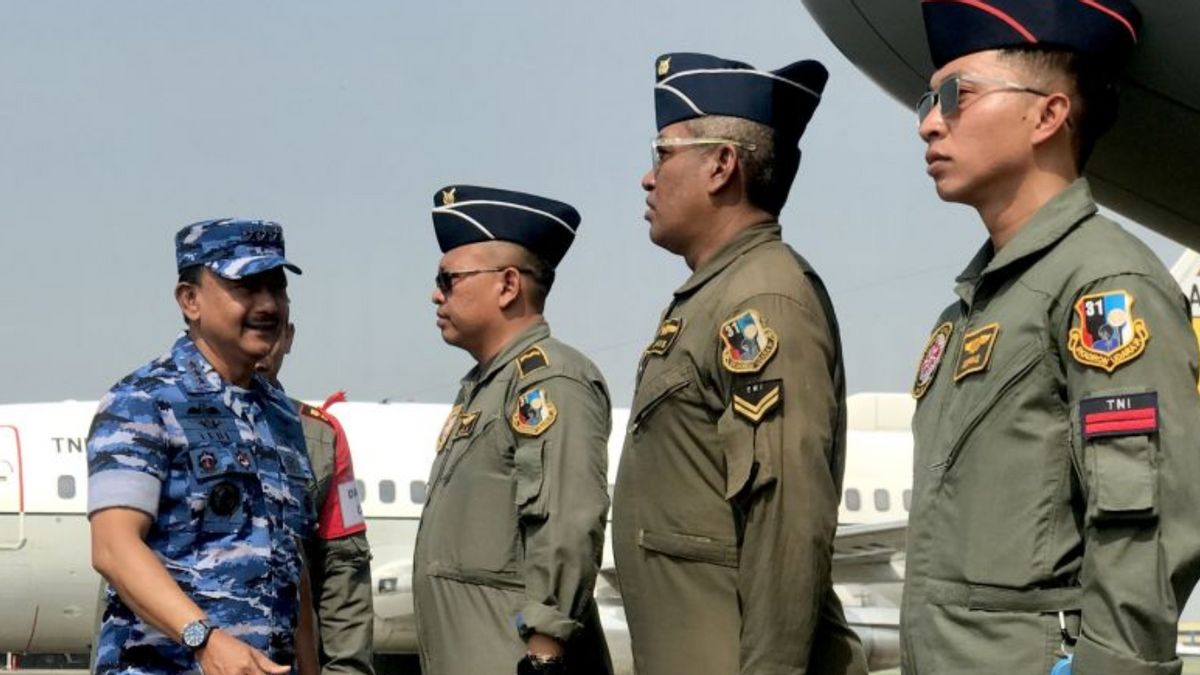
x=534, y=414
x=749, y=344
x=664, y=66
x=447, y=427
x=931, y=358
x=1107, y=334
x=530, y=360
x=667, y=333
x=1119, y=415
x=755, y=400
x=466, y=424
x=976, y=351
x=448, y=197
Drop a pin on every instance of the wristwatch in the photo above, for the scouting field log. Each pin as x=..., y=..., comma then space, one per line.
x=195, y=634
x=537, y=664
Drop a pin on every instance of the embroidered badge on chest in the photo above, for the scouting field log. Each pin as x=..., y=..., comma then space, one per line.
x=665, y=339
x=748, y=343
x=1105, y=333
x=976, y=351
x=530, y=360
x=466, y=424
x=534, y=414
x=447, y=427
x=756, y=400
x=931, y=358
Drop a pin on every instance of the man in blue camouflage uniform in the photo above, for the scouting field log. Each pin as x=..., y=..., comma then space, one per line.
x=197, y=478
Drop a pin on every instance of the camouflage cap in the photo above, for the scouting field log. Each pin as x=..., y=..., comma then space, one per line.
x=231, y=247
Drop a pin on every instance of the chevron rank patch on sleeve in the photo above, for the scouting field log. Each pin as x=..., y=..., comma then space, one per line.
x=756, y=400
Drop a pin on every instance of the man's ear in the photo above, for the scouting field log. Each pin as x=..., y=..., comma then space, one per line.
x=188, y=297
x=510, y=287
x=722, y=168
x=1055, y=113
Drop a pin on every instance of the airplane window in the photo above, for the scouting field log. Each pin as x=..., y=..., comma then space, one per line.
x=416, y=491
x=883, y=500
x=362, y=491
x=66, y=487
x=387, y=491
x=853, y=500
x=908, y=500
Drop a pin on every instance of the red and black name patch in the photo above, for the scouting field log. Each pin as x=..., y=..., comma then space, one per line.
x=1123, y=415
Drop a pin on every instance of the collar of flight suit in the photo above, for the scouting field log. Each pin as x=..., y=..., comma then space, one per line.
x=1043, y=230
x=755, y=235
x=535, y=333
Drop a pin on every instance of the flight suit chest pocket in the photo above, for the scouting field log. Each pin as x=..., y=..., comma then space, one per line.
x=653, y=393
x=224, y=478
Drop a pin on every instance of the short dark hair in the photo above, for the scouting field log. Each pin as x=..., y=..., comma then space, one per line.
x=768, y=170
x=543, y=278
x=191, y=275
x=1093, y=98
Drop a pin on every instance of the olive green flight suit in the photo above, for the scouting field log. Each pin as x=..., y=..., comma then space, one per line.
x=339, y=570
x=1043, y=482
x=512, y=532
x=727, y=494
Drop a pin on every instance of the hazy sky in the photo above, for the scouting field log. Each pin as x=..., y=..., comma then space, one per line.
x=124, y=121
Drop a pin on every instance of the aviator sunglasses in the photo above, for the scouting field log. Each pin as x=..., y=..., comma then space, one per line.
x=948, y=94
x=444, y=280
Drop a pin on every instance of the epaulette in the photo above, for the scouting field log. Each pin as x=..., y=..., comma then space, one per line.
x=531, y=360
x=315, y=413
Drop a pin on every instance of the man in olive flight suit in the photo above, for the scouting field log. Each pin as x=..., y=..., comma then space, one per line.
x=726, y=501
x=338, y=555
x=1057, y=470
x=513, y=528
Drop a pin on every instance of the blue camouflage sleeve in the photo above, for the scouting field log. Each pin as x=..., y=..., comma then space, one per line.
x=126, y=447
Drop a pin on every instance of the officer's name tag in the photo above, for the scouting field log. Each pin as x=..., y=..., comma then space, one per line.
x=351, y=503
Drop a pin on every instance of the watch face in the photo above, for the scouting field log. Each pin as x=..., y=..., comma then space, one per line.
x=195, y=634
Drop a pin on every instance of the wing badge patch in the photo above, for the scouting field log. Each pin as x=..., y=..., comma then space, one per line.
x=976, y=352
x=530, y=360
x=534, y=414
x=931, y=358
x=748, y=343
x=1107, y=334
x=447, y=427
x=466, y=424
x=665, y=339
x=756, y=400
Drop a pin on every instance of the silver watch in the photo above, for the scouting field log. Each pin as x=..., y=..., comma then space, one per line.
x=195, y=634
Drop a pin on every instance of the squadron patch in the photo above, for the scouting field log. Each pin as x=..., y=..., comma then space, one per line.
x=466, y=424
x=534, y=414
x=755, y=400
x=530, y=360
x=931, y=358
x=749, y=344
x=665, y=339
x=447, y=427
x=1107, y=334
x=976, y=351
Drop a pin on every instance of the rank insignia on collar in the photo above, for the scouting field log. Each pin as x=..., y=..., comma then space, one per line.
x=1107, y=334
x=931, y=358
x=755, y=400
x=748, y=343
x=534, y=414
x=530, y=360
x=447, y=427
x=665, y=339
x=466, y=424
x=976, y=351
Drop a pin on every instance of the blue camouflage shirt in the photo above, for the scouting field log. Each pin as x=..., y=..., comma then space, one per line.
x=222, y=470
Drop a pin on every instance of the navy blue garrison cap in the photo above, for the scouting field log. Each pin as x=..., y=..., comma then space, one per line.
x=466, y=214
x=698, y=85
x=1105, y=30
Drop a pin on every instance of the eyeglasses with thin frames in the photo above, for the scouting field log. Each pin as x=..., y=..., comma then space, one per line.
x=444, y=279
x=658, y=145
x=948, y=94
